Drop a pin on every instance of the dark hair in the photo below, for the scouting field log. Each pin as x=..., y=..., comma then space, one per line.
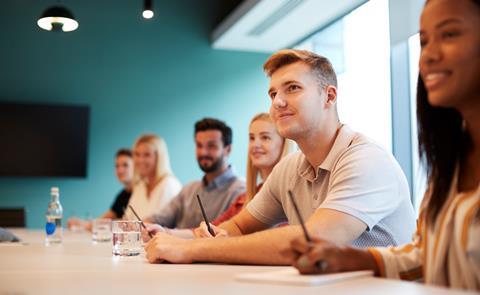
x=442, y=144
x=123, y=152
x=214, y=124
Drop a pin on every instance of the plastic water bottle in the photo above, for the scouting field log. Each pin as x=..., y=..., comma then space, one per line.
x=53, y=227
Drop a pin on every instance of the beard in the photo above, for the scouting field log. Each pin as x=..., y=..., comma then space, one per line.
x=211, y=167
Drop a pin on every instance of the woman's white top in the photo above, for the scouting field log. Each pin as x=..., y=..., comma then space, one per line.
x=160, y=196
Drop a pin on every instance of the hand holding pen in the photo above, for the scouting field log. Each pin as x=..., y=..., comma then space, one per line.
x=320, y=265
x=202, y=231
x=209, y=228
x=141, y=222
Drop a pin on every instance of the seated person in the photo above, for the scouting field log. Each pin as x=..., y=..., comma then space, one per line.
x=265, y=149
x=124, y=173
x=155, y=185
x=218, y=188
x=350, y=190
x=446, y=248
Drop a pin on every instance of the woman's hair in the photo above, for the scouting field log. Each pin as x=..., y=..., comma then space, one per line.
x=162, y=168
x=442, y=144
x=252, y=171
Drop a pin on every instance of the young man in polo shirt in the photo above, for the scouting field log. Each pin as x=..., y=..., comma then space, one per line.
x=349, y=190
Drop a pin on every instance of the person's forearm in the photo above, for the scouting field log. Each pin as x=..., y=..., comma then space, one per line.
x=358, y=259
x=261, y=248
x=335, y=226
x=232, y=228
x=181, y=233
x=109, y=214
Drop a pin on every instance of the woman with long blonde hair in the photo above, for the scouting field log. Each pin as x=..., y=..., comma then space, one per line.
x=154, y=182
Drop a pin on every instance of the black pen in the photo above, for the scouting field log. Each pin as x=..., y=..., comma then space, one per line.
x=210, y=230
x=141, y=222
x=321, y=264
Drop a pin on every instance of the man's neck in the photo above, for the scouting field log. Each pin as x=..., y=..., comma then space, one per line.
x=316, y=146
x=209, y=177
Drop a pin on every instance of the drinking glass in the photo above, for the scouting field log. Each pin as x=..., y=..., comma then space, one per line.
x=101, y=230
x=126, y=237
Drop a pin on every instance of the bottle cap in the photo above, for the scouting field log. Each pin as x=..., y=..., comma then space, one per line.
x=54, y=190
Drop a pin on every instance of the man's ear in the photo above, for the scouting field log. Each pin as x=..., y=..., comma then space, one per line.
x=228, y=150
x=331, y=92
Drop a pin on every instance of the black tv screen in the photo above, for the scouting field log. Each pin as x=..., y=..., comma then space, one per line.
x=43, y=140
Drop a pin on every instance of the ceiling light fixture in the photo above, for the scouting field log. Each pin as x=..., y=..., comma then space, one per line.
x=147, y=9
x=57, y=18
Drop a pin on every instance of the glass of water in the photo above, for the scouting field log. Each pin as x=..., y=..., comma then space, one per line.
x=126, y=237
x=101, y=230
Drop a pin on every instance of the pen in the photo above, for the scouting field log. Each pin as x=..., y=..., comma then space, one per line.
x=141, y=222
x=210, y=230
x=321, y=264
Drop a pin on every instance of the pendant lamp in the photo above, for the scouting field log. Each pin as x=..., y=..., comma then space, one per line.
x=147, y=9
x=57, y=18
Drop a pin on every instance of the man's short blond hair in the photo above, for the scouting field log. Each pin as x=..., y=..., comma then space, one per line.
x=319, y=65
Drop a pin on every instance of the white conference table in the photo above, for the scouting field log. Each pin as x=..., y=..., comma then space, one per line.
x=82, y=267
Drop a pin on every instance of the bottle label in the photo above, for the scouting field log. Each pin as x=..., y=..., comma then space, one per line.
x=50, y=228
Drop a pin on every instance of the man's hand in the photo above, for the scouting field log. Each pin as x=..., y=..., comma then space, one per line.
x=202, y=231
x=153, y=229
x=165, y=247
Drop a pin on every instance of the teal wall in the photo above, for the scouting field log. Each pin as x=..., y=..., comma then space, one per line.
x=137, y=76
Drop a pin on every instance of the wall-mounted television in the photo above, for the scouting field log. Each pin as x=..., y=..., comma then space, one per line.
x=43, y=139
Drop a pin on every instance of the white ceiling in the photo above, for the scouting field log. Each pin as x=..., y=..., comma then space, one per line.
x=270, y=25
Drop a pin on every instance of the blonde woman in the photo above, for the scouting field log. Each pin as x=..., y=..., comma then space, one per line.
x=154, y=182
x=265, y=149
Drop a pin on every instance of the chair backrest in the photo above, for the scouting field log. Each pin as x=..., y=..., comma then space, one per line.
x=12, y=217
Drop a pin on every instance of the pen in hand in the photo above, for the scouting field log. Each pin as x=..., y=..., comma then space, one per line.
x=320, y=264
x=141, y=222
x=210, y=229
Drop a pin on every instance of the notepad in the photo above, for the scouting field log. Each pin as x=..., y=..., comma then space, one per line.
x=290, y=276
